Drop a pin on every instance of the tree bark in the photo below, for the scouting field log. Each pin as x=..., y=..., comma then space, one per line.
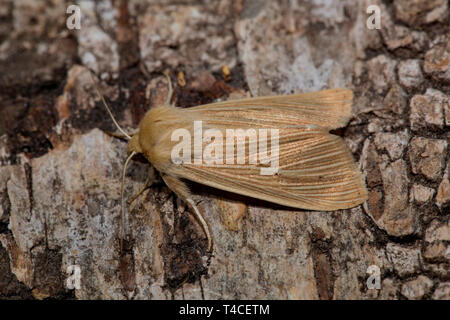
x=60, y=171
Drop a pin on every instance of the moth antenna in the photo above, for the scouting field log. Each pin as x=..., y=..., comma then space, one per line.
x=122, y=213
x=107, y=108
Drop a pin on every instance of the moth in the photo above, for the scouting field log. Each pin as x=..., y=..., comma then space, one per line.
x=314, y=169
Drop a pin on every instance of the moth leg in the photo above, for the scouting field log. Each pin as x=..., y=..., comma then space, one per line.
x=121, y=135
x=134, y=131
x=147, y=184
x=180, y=188
x=170, y=93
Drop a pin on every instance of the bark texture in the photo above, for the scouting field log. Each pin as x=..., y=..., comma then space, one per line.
x=60, y=172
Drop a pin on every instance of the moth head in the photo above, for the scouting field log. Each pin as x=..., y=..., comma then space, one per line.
x=134, y=145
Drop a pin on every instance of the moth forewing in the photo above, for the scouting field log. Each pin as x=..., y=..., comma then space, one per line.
x=315, y=169
x=329, y=109
x=320, y=176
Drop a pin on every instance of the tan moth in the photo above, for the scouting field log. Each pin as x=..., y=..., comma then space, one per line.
x=315, y=170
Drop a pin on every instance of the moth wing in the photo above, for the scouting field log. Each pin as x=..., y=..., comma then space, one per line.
x=316, y=172
x=329, y=109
